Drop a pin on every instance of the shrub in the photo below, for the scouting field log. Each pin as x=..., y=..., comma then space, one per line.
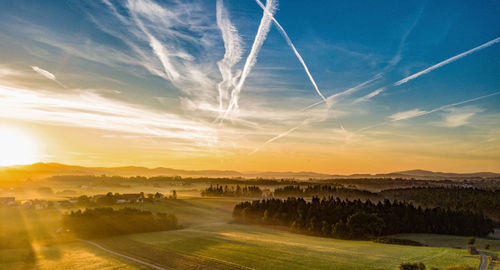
x=412, y=266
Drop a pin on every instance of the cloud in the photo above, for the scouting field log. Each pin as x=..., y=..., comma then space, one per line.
x=417, y=113
x=456, y=117
x=89, y=110
x=406, y=115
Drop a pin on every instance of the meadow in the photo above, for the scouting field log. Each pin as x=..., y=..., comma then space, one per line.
x=210, y=240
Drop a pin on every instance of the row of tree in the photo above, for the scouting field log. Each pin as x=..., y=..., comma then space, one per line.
x=106, y=221
x=360, y=220
x=225, y=191
x=335, y=190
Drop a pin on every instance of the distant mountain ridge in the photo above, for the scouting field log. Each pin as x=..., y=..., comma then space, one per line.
x=38, y=170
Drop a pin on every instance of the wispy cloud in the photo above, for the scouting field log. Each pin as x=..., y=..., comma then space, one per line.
x=456, y=117
x=417, y=112
x=86, y=109
x=406, y=115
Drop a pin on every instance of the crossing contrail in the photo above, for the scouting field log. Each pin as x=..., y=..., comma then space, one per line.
x=260, y=37
x=232, y=45
x=290, y=43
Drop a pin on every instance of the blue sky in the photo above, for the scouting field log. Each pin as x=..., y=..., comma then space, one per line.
x=81, y=64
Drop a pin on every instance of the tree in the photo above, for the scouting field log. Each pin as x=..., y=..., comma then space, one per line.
x=174, y=194
x=412, y=266
x=471, y=241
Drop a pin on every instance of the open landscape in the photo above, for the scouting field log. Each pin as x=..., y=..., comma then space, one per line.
x=208, y=237
x=249, y=134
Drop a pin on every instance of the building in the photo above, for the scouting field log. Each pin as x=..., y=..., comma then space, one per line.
x=7, y=201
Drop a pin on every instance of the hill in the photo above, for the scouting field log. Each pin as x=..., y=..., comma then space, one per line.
x=41, y=170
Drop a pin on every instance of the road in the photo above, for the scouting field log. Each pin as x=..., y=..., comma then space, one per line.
x=125, y=256
x=483, y=265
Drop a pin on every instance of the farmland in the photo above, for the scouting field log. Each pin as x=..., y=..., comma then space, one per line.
x=210, y=240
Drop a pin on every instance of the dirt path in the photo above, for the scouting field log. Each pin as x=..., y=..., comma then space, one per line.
x=483, y=265
x=125, y=256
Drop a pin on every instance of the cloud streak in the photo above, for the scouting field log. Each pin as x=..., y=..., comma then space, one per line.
x=417, y=112
x=89, y=110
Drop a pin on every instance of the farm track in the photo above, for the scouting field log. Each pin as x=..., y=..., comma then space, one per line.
x=162, y=258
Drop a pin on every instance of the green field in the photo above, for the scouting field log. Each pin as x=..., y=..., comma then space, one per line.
x=210, y=241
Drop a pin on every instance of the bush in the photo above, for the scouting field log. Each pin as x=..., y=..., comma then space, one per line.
x=396, y=241
x=412, y=266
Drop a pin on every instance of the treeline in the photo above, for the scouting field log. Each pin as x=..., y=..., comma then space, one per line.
x=333, y=217
x=459, y=198
x=104, y=180
x=106, y=221
x=335, y=190
x=220, y=191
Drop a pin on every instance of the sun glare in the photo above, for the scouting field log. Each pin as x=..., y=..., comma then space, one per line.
x=16, y=147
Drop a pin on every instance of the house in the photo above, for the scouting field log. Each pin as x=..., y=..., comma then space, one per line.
x=122, y=201
x=7, y=201
x=27, y=204
x=65, y=204
x=132, y=197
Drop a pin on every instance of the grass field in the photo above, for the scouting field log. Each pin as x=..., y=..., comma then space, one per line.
x=210, y=241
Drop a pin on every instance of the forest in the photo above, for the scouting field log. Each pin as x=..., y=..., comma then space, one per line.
x=105, y=221
x=459, y=198
x=333, y=217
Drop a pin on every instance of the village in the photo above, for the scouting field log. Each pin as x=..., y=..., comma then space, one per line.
x=84, y=200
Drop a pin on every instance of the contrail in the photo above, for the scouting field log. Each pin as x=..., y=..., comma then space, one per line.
x=447, y=61
x=345, y=92
x=290, y=43
x=368, y=96
x=311, y=119
x=417, y=113
x=47, y=75
x=429, y=69
x=260, y=37
x=406, y=115
x=305, y=122
x=232, y=45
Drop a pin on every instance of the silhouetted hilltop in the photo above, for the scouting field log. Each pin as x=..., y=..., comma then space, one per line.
x=39, y=170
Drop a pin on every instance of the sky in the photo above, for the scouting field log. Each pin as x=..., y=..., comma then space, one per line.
x=326, y=86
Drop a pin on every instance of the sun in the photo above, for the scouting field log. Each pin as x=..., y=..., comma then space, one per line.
x=16, y=147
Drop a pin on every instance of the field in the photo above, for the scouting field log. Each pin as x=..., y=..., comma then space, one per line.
x=210, y=241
